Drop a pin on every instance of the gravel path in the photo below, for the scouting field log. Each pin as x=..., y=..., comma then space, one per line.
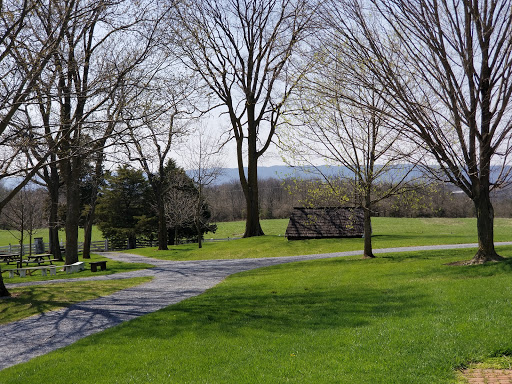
x=173, y=282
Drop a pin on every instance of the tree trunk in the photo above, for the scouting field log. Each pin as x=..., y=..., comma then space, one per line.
x=72, y=211
x=3, y=290
x=199, y=234
x=86, y=253
x=162, y=224
x=170, y=236
x=53, y=222
x=252, y=222
x=197, y=220
x=485, y=228
x=368, y=250
x=132, y=242
x=53, y=235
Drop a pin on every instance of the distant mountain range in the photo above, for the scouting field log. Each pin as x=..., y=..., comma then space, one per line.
x=282, y=172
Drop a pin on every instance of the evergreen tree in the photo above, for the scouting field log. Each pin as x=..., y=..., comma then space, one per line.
x=124, y=207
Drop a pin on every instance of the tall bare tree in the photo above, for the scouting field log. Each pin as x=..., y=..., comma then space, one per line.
x=23, y=57
x=179, y=201
x=205, y=166
x=80, y=94
x=446, y=69
x=157, y=119
x=24, y=54
x=243, y=51
x=357, y=139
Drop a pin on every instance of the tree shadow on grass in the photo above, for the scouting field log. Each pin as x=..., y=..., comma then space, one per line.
x=34, y=300
x=286, y=312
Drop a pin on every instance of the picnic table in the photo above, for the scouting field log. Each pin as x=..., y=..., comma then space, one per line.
x=40, y=259
x=9, y=258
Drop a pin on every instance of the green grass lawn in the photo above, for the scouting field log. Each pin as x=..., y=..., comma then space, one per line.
x=112, y=267
x=387, y=232
x=464, y=228
x=400, y=318
x=10, y=237
x=235, y=229
x=28, y=301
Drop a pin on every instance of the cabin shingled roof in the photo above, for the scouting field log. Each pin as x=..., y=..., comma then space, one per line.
x=325, y=222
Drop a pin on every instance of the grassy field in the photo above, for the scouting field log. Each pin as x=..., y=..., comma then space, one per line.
x=404, y=228
x=398, y=226
x=400, y=318
x=387, y=232
x=112, y=267
x=8, y=237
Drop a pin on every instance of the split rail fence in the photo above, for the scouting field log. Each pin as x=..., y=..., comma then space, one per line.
x=96, y=246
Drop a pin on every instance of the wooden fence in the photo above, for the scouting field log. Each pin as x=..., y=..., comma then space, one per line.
x=96, y=246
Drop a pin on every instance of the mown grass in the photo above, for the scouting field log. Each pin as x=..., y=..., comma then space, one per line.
x=387, y=232
x=32, y=300
x=236, y=229
x=400, y=318
x=390, y=226
x=113, y=266
x=10, y=237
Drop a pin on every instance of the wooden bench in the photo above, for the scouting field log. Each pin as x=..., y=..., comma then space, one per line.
x=96, y=264
x=29, y=270
x=75, y=267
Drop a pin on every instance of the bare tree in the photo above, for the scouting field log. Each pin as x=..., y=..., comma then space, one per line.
x=156, y=121
x=244, y=51
x=357, y=138
x=81, y=92
x=179, y=202
x=446, y=69
x=22, y=59
x=205, y=166
x=23, y=216
x=24, y=54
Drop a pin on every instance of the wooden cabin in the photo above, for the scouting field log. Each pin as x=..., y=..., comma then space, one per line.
x=326, y=222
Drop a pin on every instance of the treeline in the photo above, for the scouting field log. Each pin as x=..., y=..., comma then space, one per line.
x=127, y=208
x=278, y=197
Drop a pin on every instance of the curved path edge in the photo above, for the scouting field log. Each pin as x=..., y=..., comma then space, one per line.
x=173, y=282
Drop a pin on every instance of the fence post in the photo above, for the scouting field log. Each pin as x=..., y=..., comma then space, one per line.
x=106, y=245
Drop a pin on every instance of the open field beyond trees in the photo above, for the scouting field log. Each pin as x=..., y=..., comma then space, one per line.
x=387, y=232
x=7, y=237
x=399, y=318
